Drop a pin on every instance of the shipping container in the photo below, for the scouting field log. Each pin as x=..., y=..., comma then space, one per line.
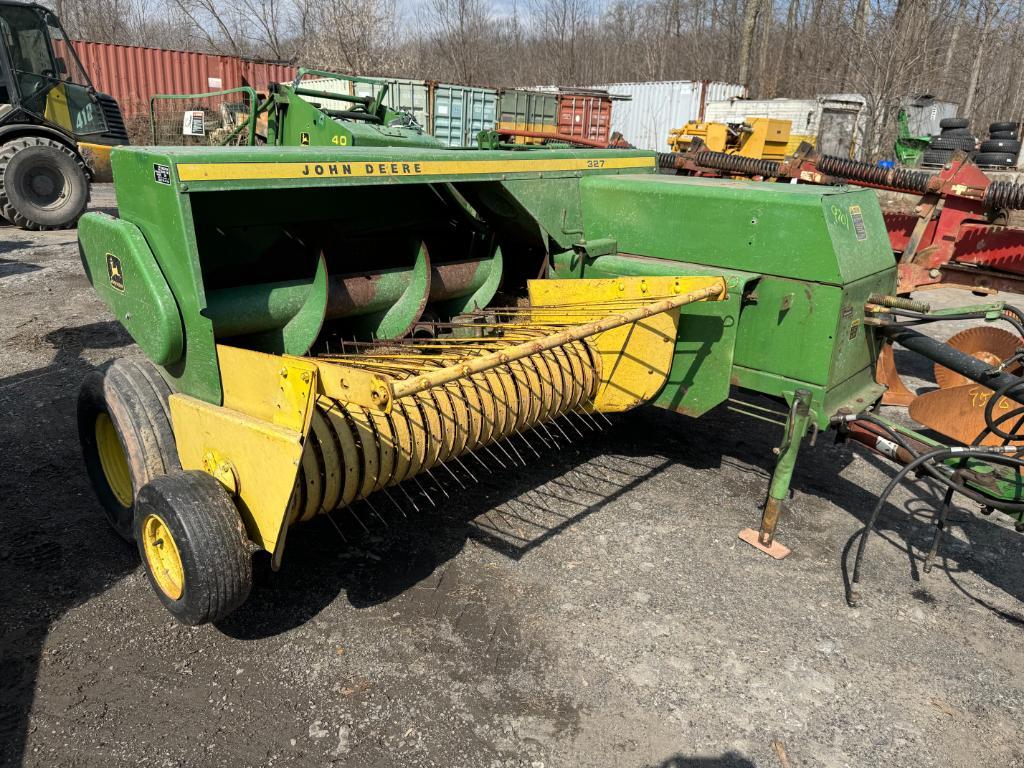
x=924, y=113
x=412, y=96
x=835, y=124
x=132, y=74
x=653, y=109
x=523, y=110
x=461, y=112
x=585, y=114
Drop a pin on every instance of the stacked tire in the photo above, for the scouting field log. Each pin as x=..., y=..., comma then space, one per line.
x=1002, y=148
x=954, y=134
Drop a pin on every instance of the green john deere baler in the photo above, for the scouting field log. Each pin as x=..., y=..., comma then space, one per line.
x=328, y=323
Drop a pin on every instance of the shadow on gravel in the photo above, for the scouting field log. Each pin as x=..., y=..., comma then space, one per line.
x=728, y=760
x=11, y=267
x=56, y=550
x=375, y=553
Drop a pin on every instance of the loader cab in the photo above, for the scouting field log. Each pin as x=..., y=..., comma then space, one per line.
x=42, y=76
x=56, y=131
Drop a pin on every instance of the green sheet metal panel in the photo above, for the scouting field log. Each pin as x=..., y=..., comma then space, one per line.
x=823, y=234
x=211, y=215
x=820, y=253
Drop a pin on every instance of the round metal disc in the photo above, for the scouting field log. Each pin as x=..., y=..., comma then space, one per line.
x=988, y=344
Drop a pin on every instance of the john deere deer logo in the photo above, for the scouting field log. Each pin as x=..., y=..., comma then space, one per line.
x=114, y=271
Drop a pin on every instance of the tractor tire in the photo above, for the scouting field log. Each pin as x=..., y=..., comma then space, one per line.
x=193, y=546
x=1005, y=146
x=936, y=156
x=954, y=122
x=124, y=426
x=955, y=132
x=995, y=159
x=966, y=143
x=43, y=184
x=1011, y=135
x=1003, y=125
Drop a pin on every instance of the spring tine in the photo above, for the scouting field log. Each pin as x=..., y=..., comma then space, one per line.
x=374, y=510
x=528, y=445
x=482, y=463
x=423, y=490
x=558, y=426
x=500, y=444
x=590, y=423
x=548, y=433
x=336, y=527
x=457, y=480
x=606, y=419
x=439, y=486
x=567, y=420
x=494, y=456
x=358, y=519
x=466, y=469
x=401, y=487
x=392, y=499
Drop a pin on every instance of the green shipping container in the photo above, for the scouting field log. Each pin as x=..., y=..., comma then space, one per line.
x=528, y=111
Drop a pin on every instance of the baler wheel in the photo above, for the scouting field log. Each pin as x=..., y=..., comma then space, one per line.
x=193, y=545
x=124, y=427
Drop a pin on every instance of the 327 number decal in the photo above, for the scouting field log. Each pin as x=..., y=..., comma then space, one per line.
x=595, y=163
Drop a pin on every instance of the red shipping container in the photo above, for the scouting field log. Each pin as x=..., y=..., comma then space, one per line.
x=585, y=114
x=131, y=74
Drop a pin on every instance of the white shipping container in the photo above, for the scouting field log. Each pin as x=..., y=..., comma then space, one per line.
x=656, y=108
x=835, y=122
x=403, y=94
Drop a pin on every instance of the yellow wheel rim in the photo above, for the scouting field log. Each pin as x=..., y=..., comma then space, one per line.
x=113, y=460
x=162, y=556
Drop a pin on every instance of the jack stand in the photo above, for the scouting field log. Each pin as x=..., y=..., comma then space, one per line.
x=778, y=489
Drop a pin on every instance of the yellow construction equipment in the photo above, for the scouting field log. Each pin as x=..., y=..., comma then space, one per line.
x=759, y=137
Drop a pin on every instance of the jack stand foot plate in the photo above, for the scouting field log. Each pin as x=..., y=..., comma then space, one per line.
x=776, y=550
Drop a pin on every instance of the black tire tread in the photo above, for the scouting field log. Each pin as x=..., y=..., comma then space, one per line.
x=211, y=540
x=7, y=152
x=1003, y=125
x=1005, y=146
x=137, y=404
x=997, y=135
x=997, y=159
x=965, y=143
x=954, y=122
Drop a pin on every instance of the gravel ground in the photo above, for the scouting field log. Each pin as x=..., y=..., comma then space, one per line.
x=595, y=609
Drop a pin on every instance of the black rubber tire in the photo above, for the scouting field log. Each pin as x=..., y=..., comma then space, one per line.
x=64, y=194
x=134, y=396
x=1003, y=125
x=1011, y=135
x=215, y=554
x=954, y=122
x=956, y=132
x=995, y=159
x=936, y=156
x=1005, y=146
x=965, y=143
